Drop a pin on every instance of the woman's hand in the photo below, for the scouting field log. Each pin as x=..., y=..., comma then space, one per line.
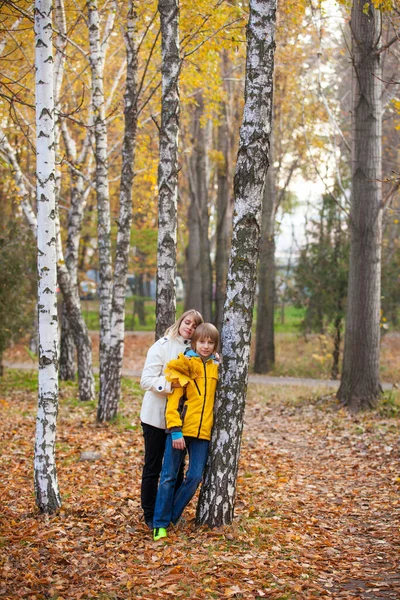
x=175, y=384
x=179, y=444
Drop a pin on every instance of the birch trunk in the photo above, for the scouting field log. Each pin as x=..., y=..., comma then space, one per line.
x=224, y=203
x=68, y=272
x=265, y=340
x=360, y=387
x=216, y=502
x=168, y=166
x=102, y=188
x=46, y=485
x=111, y=389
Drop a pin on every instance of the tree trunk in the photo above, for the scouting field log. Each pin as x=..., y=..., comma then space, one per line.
x=45, y=474
x=264, y=359
x=110, y=392
x=216, y=502
x=96, y=58
x=168, y=166
x=199, y=270
x=67, y=349
x=360, y=387
x=224, y=199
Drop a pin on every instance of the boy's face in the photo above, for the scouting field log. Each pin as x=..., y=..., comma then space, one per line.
x=205, y=348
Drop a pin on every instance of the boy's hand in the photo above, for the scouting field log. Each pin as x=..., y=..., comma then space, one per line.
x=179, y=444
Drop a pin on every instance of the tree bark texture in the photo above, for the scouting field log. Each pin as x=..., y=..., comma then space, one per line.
x=264, y=359
x=96, y=58
x=199, y=270
x=45, y=474
x=216, y=502
x=224, y=195
x=360, y=387
x=74, y=330
x=111, y=390
x=168, y=166
x=67, y=349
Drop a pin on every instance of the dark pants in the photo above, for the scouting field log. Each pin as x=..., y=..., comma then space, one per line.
x=154, y=446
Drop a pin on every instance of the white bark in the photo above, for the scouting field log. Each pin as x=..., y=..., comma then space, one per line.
x=111, y=389
x=46, y=485
x=97, y=59
x=168, y=166
x=216, y=503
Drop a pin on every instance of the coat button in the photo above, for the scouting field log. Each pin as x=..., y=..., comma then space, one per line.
x=160, y=388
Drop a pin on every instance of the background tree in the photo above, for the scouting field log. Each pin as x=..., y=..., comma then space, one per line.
x=18, y=283
x=321, y=276
x=216, y=502
x=360, y=387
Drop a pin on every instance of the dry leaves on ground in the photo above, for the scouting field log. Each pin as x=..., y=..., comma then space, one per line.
x=317, y=512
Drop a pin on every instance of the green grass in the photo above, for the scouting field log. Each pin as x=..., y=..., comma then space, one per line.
x=90, y=311
x=286, y=321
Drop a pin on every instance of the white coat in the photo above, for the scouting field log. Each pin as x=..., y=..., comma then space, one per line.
x=153, y=379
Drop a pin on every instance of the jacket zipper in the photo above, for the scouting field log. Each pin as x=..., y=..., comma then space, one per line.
x=204, y=401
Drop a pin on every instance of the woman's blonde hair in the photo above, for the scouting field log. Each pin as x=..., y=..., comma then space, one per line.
x=173, y=331
x=203, y=331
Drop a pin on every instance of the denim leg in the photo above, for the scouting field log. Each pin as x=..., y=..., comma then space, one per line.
x=198, y=452
x=166, y=489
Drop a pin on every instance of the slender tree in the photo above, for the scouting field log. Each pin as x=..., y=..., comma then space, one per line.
x=360, y=387
x=111, y=390
x=216, y=502
x=46, y=485
x=168, y=166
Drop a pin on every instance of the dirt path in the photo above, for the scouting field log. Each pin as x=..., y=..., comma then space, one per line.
x=338, y=493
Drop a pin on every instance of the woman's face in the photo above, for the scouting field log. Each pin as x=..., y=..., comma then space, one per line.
x=187, y=327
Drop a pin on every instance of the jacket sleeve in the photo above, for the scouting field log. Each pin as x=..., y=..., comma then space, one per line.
x=172, y=415
x=153, y=378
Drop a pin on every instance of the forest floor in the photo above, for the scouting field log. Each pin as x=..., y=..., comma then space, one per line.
x=316, y=516
x=297, y=356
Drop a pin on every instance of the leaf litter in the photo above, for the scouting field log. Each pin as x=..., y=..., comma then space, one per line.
x=316, y=516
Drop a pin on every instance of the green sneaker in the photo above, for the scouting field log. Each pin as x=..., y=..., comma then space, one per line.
x=159, y=533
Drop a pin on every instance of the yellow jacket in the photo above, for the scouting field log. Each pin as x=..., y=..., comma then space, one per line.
x=190, y=408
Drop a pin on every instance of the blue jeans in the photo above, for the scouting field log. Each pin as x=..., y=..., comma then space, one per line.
x=170, y=504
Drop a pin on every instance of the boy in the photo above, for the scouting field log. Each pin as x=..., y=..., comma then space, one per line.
x=189, y=418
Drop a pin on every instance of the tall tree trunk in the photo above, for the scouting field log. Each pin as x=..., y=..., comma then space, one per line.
x=360, y=387
x=111, y=389
x=264, y=359
x=168, y=166
x=96, y=58
x=74, y=330
x=224, y=197
x=199, y=270
x=216, y=502
x=45, y=474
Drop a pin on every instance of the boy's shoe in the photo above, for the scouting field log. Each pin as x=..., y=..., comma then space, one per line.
x=159, y=533
x=149, y=524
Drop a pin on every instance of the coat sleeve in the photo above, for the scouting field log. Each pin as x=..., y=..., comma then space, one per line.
x=173, y=417
x=153, y=378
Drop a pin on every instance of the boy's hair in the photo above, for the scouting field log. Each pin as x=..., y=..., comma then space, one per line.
x=173, y=331
x=203, y=331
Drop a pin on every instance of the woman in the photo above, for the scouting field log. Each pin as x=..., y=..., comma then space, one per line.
x=175, y=340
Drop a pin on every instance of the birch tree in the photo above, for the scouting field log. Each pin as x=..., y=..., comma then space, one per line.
x=360, y=387
x=111, y=376
x=46, y=485
x=216, y=502
x=168, y=166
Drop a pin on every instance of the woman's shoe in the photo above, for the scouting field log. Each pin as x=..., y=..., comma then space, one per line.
x=159, y=533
